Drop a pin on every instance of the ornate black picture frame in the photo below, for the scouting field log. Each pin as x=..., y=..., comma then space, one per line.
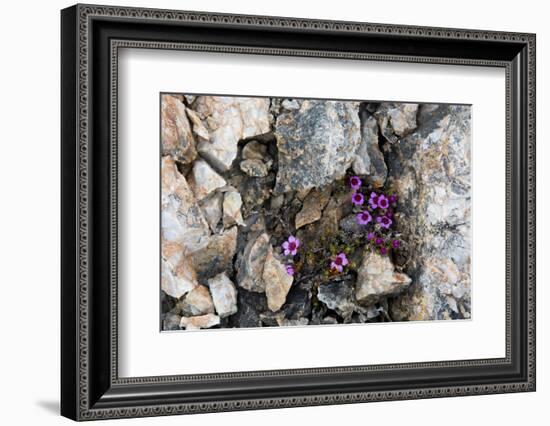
x=91, y=36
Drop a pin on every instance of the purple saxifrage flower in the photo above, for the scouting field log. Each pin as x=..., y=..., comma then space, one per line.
x=289, y=270
x=373, y=200
x=384, y=221
x=363, y=218
x=355, y=182
x=290, y=246
x=379, y=241
x=383, y=250
x=370, y=235
x=383, y=202
x=395, y=243
x=393, y=199
x=357, y=198
x=339, y=262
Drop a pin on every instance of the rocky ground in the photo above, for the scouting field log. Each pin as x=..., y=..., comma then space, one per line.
x=280, y=212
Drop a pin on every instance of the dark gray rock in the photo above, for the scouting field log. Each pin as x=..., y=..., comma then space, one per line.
x=316, y=143
x=298, y=303
x=339, y=296
x=171, y=321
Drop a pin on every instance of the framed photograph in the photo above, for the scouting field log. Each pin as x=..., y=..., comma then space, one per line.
x=263, y=212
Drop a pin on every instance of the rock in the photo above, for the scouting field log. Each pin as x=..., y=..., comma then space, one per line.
x=189, y=98
x=246, y=317
x=212, y=210
x=377, y=278
x=329, y=320
x=224, y=295
x=430, y=172
x=176, y=136
x=183, y=231
x=338, y=295
x=217, y=255
x=290, y=104
x=313, y=206
x=298, y=303
x=277, y=281
x=316, y=143
x=272, y=319
x=254, y=150
x=338, y=207
x=198, y=322
x=182, y=221
x=396, y=120
x=197, y=302
x=369, y=160
x=177, y=278
x=251, y=265
x=276, y=202
x=295, y=322
x=198, y=127
x=349, y=225
x=254, y=168
x=232, y=203
x=203, y=179
x=249, y=304
x=228, y=120
x=171, y=321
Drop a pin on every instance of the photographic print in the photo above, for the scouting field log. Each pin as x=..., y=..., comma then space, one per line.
x=298, y=212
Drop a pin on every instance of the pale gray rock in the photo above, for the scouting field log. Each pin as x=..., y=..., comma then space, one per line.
x=182, y=220
x=228, y=120
x=212, y=210
x=430, y=171
x=277, y=281
x=198, y=322
x=377, y=278
x=203, y=179
x=316, y=143
x=254, y=168
x=189, y=98
x=396, y=120
x=369, y=160
x=313, y=205
x=224, y=295
x=177, y=278
x=197, y=302
x=183, y=231
x=250, y=267
x=200, y=131
x=176, y=136
x=232, y=203
x=290, y=104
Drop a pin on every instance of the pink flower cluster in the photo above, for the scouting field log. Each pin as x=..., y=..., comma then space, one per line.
x=378, y=210
x=290, y=248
